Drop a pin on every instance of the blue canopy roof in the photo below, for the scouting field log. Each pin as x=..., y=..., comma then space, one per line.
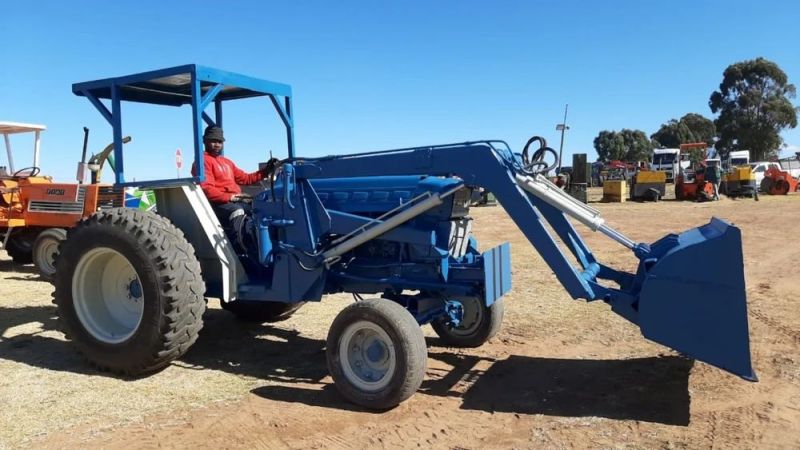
x=173, y=86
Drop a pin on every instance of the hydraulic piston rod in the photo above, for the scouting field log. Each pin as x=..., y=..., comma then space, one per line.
x=542, y=188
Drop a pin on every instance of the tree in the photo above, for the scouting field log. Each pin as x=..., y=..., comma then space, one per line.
x=625, y=145
x=690, y=128
x=754, y=107
x=672, y=134
x=702, y=128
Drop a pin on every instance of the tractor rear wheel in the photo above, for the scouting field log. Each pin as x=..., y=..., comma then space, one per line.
x=260, y=312
x=479, y=324
x=20, y=246
x=376, y=353
x=129, y=291
x=45, y=250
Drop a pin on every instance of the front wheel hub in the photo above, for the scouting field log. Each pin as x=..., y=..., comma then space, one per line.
x=368, y=356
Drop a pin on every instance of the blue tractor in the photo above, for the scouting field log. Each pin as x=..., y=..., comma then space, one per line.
x=391, y=227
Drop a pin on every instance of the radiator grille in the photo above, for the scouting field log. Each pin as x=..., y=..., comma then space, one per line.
x=108, y=197
x=47, y=206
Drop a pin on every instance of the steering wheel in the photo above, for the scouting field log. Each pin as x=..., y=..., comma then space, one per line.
x=32, y=172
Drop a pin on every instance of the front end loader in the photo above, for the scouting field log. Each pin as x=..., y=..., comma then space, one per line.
x=390, y=227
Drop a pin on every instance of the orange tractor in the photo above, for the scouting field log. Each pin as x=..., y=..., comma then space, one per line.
x=691, y=184
x=35, y=212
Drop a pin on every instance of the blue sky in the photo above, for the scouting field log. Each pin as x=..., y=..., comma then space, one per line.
x=378, y=75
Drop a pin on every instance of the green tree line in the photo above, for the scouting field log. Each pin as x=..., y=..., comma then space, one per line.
x=753, y=106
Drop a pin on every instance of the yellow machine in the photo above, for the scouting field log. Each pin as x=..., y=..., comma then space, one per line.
x=740, y=182
x=649, y=185
x=615, y=191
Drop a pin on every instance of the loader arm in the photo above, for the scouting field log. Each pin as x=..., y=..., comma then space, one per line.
x=481, y=164
x=701, y=314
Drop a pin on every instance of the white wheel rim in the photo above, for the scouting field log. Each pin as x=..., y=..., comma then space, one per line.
x=46, y=253
x=367, y=355
x=107, y=294
x=471, y=321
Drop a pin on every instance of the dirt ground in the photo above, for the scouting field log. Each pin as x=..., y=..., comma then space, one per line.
x=560, y=374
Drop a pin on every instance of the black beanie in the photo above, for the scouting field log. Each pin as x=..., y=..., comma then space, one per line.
x=213, y=132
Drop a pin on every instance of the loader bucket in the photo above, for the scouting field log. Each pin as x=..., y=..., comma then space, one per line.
x=693, y=300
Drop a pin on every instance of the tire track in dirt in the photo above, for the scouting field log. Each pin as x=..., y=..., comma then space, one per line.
x=792, y=334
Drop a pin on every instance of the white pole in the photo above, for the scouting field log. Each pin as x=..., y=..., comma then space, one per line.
x=36, y=150
x=10, y=158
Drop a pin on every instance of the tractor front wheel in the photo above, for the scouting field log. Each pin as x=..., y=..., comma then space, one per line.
x=376, y=353
x=45, y=250
x=129, y=291
x=20, y=246
x=479, y=324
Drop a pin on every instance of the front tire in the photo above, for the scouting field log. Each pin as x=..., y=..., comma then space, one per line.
x=20, y=246
x=129, y=291
x=376, y=353
x=480, y=323
x=45, y=250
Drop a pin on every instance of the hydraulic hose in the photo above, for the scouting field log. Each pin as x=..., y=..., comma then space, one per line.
x=535, y=164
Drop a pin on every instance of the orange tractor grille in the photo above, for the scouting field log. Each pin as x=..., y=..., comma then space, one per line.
x=110, y=197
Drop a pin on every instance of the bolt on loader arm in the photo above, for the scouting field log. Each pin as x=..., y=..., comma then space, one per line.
x=701, y=314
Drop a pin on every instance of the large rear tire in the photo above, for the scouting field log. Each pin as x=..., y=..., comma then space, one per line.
x=480, y=323
x=260, y=312
x=376, y=353
x=45, y=250
x=129, y=291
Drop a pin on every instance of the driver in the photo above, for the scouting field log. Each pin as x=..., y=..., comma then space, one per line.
x=221, y=187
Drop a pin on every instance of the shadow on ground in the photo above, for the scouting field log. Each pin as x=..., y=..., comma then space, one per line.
x=645, y=389
x=8, y=265
x=651, y=389
x=226, y=344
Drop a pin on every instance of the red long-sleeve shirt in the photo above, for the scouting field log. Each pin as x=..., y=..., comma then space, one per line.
x=223, y=178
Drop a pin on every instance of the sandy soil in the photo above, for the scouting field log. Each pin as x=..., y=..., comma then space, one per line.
x=560, y=374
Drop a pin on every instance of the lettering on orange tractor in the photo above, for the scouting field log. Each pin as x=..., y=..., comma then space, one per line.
x=55, y=191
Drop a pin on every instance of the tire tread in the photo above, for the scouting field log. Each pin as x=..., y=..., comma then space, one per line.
x=176, y=269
